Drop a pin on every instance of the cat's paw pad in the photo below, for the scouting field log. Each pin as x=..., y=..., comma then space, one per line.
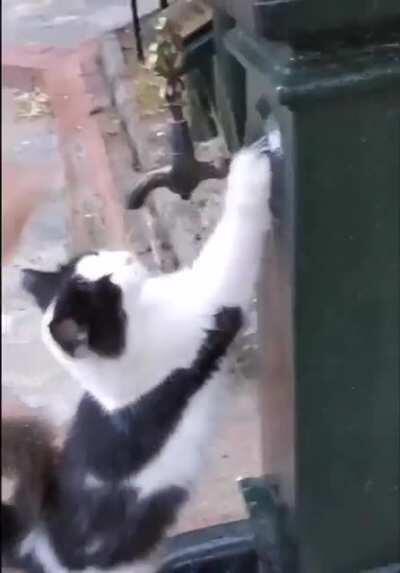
x=229, y=320
x=249, y=179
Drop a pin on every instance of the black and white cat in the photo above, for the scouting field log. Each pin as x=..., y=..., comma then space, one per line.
x=149, y=351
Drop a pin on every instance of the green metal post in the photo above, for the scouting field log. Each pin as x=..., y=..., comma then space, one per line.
x=330, y=90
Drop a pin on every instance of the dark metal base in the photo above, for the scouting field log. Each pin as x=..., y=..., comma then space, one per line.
x=227, y=548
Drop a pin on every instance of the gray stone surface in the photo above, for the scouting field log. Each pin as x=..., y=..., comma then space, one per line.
x=29, y=374
x=64, y=24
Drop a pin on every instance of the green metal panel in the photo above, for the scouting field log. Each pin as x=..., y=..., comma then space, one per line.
x=229, y=84
x=347, y=285
x=290, y=19
x=330, y=301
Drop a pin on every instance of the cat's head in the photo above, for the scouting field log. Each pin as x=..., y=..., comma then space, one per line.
x=85, y=302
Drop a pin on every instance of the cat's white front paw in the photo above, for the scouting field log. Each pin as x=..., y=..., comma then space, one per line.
x=249, y=181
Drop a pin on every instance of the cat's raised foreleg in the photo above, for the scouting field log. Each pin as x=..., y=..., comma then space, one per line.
x=226, y=270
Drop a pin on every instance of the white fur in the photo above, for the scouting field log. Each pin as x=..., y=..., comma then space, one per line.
x=224, y=274
x=181, y=460
x=163, y=333
x=92, y=267
x=167, y=317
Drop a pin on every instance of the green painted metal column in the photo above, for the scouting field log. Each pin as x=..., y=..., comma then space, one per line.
x=327, y=88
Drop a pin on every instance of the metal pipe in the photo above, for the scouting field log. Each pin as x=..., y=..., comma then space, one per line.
x=137, y=31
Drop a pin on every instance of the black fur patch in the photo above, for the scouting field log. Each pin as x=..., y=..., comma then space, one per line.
x=11, y=531
x=114, y=446
x=44, y=285
x=41, y=285
x=96, y=310
x=86, y=313
x=109, y=524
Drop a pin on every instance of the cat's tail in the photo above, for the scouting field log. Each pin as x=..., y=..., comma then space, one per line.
x=28, y=457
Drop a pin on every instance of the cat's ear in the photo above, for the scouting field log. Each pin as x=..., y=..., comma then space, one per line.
x=71, y=336
x=42, y=285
